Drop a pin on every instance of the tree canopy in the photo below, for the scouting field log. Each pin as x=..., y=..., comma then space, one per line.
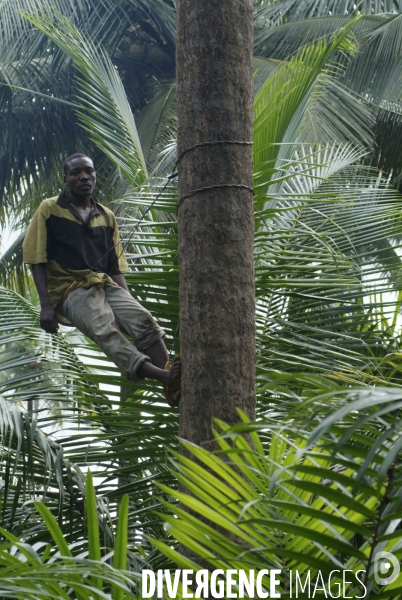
x=99, y=77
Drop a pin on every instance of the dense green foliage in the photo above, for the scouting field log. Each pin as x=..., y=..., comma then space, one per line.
x=327, y=258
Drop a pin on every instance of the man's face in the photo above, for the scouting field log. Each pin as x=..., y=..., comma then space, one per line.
x=81, y=176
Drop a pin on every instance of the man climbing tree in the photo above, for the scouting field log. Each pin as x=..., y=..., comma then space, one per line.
x=216, y=222
x=78, y=263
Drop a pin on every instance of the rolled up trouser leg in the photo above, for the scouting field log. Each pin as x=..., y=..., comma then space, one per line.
x=88, y=310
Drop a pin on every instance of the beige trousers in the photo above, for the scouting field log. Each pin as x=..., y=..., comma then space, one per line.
x=105, y=314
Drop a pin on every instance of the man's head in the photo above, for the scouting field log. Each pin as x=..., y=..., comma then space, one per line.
x=79, y=175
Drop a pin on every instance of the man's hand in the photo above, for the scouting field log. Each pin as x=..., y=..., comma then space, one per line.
x=48, y=319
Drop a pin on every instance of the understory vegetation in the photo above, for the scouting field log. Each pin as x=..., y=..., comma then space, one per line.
x=89, y=461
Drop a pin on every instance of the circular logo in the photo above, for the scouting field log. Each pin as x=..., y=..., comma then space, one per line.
x=386, y=568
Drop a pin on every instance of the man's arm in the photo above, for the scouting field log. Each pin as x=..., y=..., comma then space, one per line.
x=48, y=318
x=119, y=279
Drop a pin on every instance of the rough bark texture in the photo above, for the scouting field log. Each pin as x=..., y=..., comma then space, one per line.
x=217, y=328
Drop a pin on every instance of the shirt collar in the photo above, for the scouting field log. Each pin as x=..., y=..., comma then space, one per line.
x=65, y=201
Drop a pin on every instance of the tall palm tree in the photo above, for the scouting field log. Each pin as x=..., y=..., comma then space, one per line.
x=216, y=213
x=326, y=249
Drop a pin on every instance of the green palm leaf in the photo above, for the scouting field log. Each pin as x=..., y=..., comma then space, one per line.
x=102, y=95
x=297, y=497
x=280, y=11
x=327, y=247
x=38, y=572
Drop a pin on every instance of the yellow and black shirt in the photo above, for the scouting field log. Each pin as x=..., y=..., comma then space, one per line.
x=77, y=255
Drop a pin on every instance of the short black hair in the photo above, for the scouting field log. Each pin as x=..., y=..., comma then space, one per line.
x=72, y=157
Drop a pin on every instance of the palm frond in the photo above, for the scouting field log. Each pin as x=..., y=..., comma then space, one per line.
x=331, y=261
x=263, y=69
x=157, y=123
x=12, y=270
x=281, y=42
x=282, y=11
x=29, y=60
x=387, y=153
x=370, y=82
x=107, y=115
x=281, y=106
x=315, y=493
x=379, y=47
x=335, y=114
x=162, y=15
x=37, y=571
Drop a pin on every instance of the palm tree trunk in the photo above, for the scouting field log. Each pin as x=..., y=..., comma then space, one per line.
x=216, y=226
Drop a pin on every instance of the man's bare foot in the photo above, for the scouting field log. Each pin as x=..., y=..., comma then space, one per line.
x=172, y=385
